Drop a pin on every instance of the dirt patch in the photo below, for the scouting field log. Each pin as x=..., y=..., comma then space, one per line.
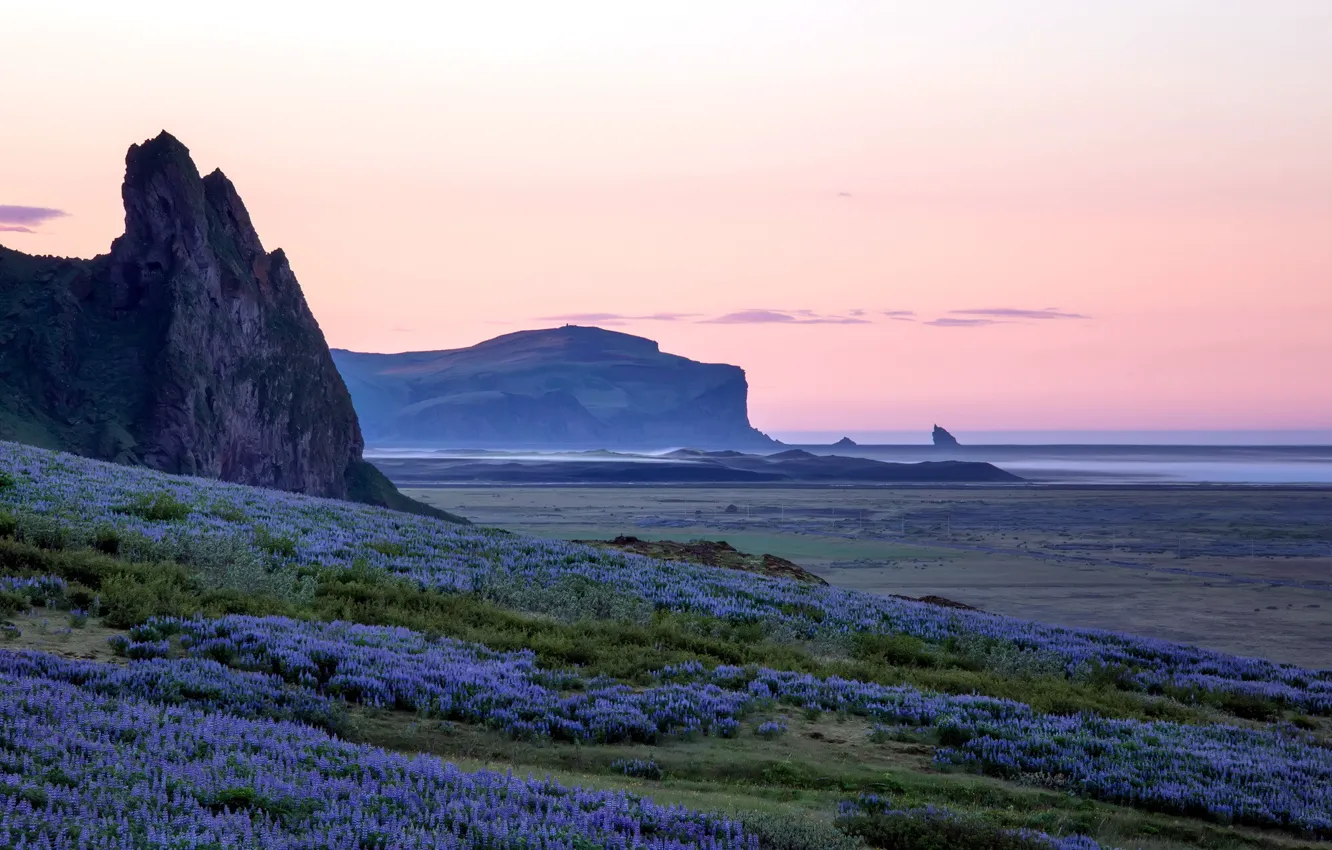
x=710, y=553
x=936, y=600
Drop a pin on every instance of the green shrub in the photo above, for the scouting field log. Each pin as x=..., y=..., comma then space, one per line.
x=932, y=829
x=42, y=530
x=106, y=539
x=898, y=650
x=274, y=544
x=7, y=480
x=389, y=548
x=160, y=507
x=228, y=512
x=796, y=832
x=12, y=603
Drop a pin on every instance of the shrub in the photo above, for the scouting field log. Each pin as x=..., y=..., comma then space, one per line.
x=12, y=603
x=796, y=832
x=106, y=539
x=274, y=544
x=42, y=531
x=871, y=819
x=7, y=480
x=228, y=512
x=161, y=507
x=388, y=548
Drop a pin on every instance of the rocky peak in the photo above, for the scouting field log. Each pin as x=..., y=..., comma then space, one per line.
x=942, y=437
x=189, y=348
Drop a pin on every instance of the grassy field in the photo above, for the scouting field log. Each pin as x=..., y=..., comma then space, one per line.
x=1217, y=567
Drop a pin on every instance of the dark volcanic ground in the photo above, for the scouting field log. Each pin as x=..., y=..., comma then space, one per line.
x=686, y=466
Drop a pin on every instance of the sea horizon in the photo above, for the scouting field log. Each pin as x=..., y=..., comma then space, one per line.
x=1072, y=437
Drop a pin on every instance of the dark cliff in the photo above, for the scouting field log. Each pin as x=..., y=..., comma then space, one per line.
x=187, y=348
x=569, y=387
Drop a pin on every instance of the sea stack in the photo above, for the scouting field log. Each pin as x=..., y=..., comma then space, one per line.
x=943, y=439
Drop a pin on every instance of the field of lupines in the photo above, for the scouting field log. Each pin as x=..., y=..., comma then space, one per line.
x=82, y=770
x=295, y=529
x=1269, y=777
x=266, y=683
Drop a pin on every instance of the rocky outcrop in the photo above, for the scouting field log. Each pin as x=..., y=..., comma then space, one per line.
x=942, y=438
x=187, y=348
x=569, y=387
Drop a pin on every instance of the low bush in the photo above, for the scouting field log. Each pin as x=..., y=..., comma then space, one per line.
x=158, y=507
x=797, y=832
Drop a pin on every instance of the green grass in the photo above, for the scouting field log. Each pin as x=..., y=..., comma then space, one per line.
x=798, y=780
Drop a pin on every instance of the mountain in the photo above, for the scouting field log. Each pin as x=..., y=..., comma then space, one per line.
x=187, y=347
x=568, y=387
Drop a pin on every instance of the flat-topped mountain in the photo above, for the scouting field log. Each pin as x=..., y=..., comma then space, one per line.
x=187, y=347
x=568, y=387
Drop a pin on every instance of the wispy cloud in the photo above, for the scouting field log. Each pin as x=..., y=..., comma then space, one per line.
x=20, y=219
x=962, y=318
x=618, y=317
x=946, y=322
x=1016, y=313
x=784, y=317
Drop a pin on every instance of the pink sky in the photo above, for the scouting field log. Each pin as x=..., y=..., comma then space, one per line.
x=1161, y=167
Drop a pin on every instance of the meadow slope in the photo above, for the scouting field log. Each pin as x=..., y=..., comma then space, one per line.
x=296, y=672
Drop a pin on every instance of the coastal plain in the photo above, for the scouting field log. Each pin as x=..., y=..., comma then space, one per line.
x=1246, y=570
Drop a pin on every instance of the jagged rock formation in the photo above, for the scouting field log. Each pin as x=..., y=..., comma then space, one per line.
x=943, y=438
x=569, y=387
x=187, y=348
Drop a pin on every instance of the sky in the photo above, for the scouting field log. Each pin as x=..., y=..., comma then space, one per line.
x=996, y=216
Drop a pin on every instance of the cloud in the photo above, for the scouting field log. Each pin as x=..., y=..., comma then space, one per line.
x=27, y=217
x=946, y=322
x=617, y=317
x=783, y=317
x=14, y=228
x=900, y=315
x=1015, y=313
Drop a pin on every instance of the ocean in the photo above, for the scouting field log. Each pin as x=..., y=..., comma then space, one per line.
x=1123, y=457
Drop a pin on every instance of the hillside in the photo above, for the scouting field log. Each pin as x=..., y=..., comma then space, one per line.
x=187, y=347
x=569, y=387
x=187, y=661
